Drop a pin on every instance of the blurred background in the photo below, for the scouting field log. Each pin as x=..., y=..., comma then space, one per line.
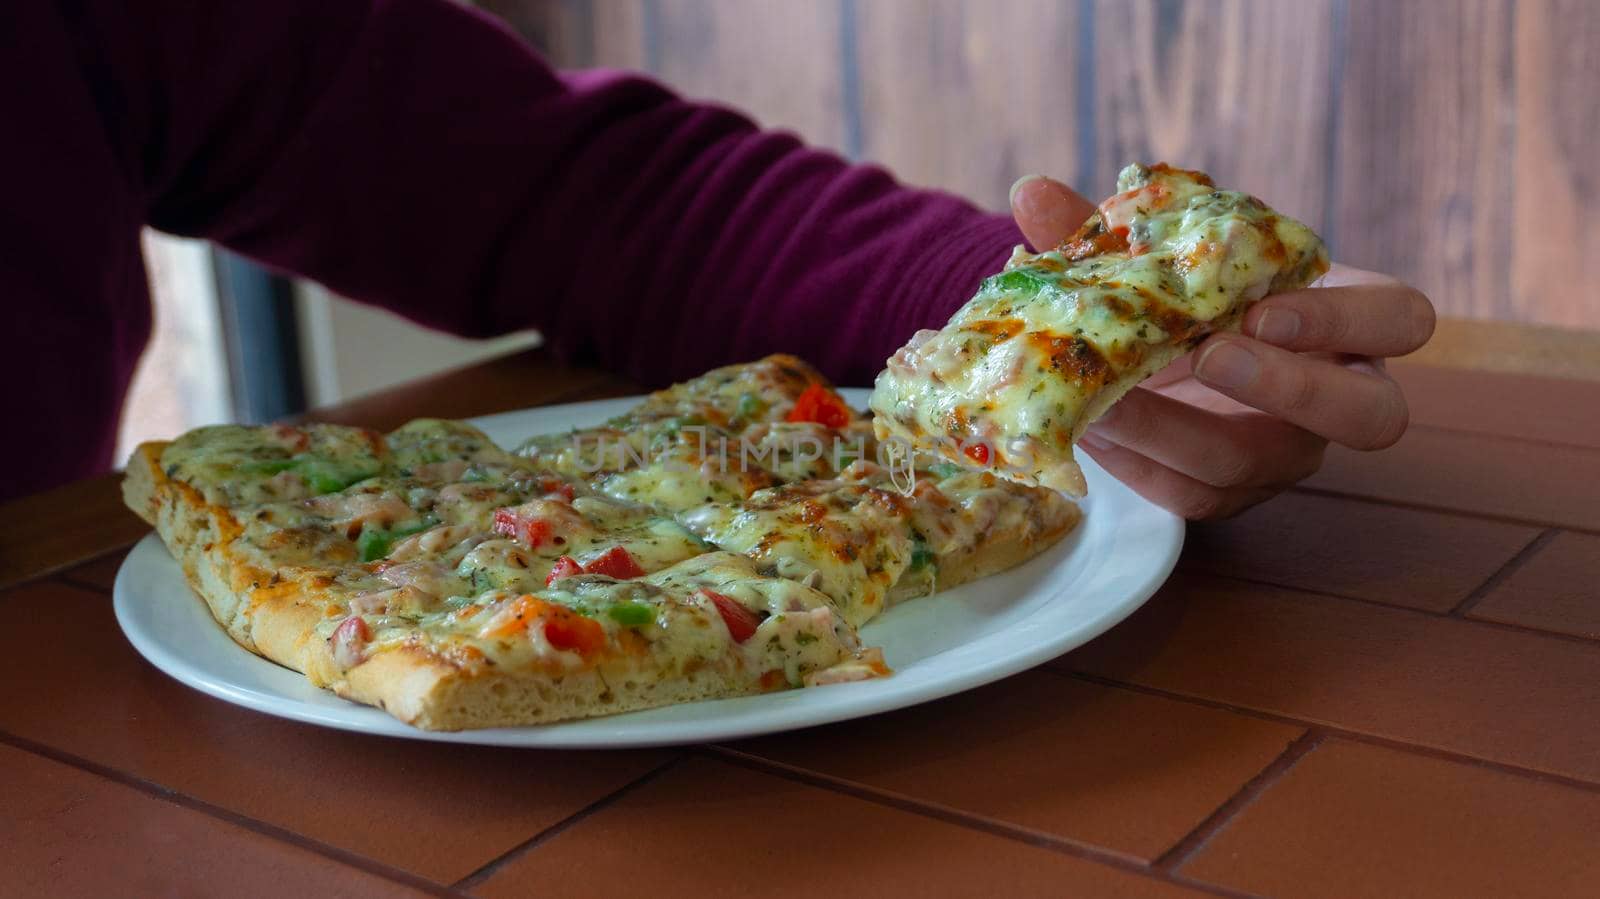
x=1448, y=142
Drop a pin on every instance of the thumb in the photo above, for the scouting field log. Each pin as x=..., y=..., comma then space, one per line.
x=1047, y=211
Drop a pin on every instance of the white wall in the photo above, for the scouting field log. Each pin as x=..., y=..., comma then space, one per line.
x=349, y=350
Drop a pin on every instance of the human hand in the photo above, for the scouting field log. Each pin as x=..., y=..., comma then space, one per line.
x=1245, y=416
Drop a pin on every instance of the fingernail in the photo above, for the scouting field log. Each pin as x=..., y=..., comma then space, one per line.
x=1091, y=440
x=1227, y=364
x=1278, y=326
x=1011, y=197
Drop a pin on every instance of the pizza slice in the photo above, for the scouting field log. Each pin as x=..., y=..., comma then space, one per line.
x=967, y=525
x=716, y=438
x=710, y=627
x=406, y=536
x=1050, y=343
x=848, y=539
x=776, y=388
x=868, y=540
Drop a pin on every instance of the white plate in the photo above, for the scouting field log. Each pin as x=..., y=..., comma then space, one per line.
x=939, y=645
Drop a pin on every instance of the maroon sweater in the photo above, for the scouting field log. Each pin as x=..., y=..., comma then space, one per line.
x=415, y=155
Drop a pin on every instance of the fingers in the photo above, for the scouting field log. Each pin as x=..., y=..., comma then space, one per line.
x=1172, y=490
x=1047, y=211
x=1247, y=450
x=1373, y=319
x=1354, y=404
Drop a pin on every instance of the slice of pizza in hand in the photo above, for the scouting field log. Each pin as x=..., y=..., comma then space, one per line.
x=1050, y=343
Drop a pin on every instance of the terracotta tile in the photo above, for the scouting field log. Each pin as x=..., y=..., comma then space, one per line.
x=1406, y=557
x=101, y=573
x=707, y=829
x=1126, y=771
x=66, y=832
x=1558, y=589
x=1516, y=697
x=1529, y=407
x=48, y=531
x=1535, y=482
x=1356, y=820
x=435, y=809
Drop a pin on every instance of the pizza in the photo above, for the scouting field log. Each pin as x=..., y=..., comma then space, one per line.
x=454, y=584
x=1050, y=343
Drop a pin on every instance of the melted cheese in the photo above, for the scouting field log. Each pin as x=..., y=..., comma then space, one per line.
x=849, y=540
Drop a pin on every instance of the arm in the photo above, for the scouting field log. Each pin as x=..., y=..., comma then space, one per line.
x=413, y=154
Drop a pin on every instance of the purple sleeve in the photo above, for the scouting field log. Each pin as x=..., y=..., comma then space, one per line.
x=415, y=155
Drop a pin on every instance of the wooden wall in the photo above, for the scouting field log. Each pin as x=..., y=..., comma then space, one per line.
x=1449, y=142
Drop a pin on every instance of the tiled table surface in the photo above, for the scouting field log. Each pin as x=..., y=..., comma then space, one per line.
x=1384, y=683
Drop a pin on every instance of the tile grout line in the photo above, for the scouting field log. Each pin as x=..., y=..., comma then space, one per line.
x=1195, y=840
x=1512, y=565
x=956, y=817
x=1334, y=731
x=1446, y=510
x=493, y=866
x=37, y=577
x=67, y=579
x=1398, y=607
x=274, y=832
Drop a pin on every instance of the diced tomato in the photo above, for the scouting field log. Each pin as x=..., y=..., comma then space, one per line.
x=615, y=562
x=821, y=405
x=292, y=438
x=557, y=489
x=533, y=532
x=563, y=628
x=566, y=566
x=566, y=629
x=977, y=452
x=741, y=622
x=349, y=642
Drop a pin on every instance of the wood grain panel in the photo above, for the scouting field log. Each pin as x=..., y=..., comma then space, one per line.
x=1555, y=240
x=1240, y=89
x=1433, y=140
x=617, y=35
x=1424, y=167
x=969, y=97
x=777, y=61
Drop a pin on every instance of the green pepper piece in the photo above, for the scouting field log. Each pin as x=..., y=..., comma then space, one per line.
x=921, y=555
x=632, y=614
x=1020, y=280
x=750, y=406
x=268, y=466
x=322, y=482
x=375, y=543
x=947, y=469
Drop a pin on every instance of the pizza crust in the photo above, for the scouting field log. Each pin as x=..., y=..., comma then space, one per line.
x=1050, y=519
x=426, y=692
x=194, y=533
